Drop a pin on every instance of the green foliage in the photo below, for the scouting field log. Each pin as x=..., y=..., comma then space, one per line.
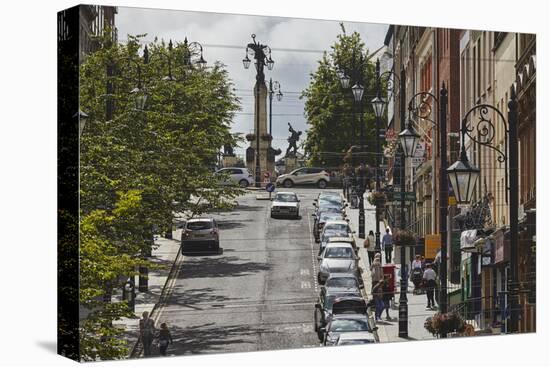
x=141, y=167
x=332, y=115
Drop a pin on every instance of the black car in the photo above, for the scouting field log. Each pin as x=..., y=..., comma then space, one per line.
x=334, y=304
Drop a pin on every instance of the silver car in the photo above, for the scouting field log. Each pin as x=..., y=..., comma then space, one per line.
x=334, y=228
x=337, y=257
x=355, y=338
x=285, y=204
x=200, y=235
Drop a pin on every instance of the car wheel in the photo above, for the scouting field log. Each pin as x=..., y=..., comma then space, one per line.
x=322, y=184
x=287, y=183
x=243, y=183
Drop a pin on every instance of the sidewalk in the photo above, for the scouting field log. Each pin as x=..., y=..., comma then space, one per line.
x=388, y=331
x=167, y=254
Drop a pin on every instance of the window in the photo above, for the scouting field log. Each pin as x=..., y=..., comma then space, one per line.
x=199, y=225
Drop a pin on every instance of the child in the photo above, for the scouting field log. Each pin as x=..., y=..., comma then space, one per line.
x=165, y=338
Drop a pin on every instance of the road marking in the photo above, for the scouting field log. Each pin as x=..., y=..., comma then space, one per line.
x=313, y=254
x=306, y=285
x=304, y=272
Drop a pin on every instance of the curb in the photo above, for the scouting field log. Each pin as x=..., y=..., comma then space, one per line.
x=154, y=314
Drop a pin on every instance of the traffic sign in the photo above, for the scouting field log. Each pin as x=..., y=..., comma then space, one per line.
x=270, y=187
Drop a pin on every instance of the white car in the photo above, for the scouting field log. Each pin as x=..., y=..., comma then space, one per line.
x=305, y=176
x=334, y=228
x=235, y=176
x=285, y=204
x=200, y=235
x=337, y=257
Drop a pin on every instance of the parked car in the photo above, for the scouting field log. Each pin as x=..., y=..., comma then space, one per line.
x=337, y=257
x=327, y=215
x=235, y=176
x=349, y=240
x=348, y=324
x=200, y=235
x=285, y=204
x=341, y=282
x=337, y=228
x=335, y=303
x=304, y=176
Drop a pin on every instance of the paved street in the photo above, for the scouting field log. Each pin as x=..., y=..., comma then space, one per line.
x=258, y=295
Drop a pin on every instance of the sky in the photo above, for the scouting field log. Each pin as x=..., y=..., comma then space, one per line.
x=297, y=45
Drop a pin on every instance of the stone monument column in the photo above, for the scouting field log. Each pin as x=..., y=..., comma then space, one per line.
x=260, y=110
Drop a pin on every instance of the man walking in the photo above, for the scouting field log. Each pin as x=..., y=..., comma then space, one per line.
x=146, y=333
x=387, y=245
x=429, y=280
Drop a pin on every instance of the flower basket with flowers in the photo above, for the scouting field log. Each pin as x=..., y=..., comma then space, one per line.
x=404, y=237
x=377, y=198
x=266, y=137
x=250, y=137
x=445, y=323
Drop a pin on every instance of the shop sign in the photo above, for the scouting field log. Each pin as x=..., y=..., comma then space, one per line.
x=432, y=244
x=502, y=247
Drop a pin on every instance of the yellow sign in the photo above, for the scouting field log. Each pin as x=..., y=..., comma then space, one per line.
x=432, y=244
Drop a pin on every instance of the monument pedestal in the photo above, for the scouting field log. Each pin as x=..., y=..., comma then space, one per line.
x=229, y=161
x=291, y=163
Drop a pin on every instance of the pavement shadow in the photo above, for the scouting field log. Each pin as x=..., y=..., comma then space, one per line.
x=248, y=208
x=229, y=224
x=219, y=267
x=198, y=296
x=206, y=338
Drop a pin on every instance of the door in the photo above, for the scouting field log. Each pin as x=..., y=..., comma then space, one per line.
x=300, y=176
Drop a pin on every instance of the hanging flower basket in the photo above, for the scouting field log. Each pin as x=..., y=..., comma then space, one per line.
x=404, y=238
x=446, y=323
x=377, y=198
x=250, y=137
x=266, y=137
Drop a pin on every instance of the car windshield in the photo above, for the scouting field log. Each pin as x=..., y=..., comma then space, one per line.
x=347, y=282
x=337, y=227
x=325, y=217
x=339, y=253
x=199, y=225
x=331, y=233
x=287, y=198
x=330, y=201
x=345, y=325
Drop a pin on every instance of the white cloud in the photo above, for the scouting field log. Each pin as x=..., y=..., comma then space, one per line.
x=292, y=69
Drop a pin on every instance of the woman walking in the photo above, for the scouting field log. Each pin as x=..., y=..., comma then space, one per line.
x=369, y=246
x=376, y=270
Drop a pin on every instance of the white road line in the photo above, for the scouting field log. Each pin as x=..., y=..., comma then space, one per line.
x=313, y=255
x=304, y=272
x=306, y=285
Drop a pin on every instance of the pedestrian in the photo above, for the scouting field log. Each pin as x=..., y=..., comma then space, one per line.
x=377, y=296
x=369, y=246
x=146, y=332
x=165, y=338
x=387, y=245
x=376, y=269
x=386, y=297
x=429, y=280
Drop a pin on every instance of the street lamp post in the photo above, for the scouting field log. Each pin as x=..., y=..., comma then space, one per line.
x=262, y=55
x=423, y=110
x=274, y=88
x=358, y=90
x=463, y=176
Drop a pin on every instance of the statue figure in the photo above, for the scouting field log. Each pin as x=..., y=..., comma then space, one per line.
x=292, y=140
x=228, y=150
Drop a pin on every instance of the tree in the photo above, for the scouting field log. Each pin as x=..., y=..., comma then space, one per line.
x=332, y=117
x=140, y=167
